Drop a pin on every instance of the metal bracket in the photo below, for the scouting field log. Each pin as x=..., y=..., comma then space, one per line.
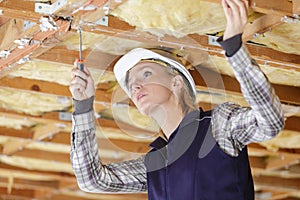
x=290, y=20
x=66, y=116
x=103, y=21
x=212, y=40
x=48, y=9
x=4, y=53
x=47, y=23
x=28, y=24
x=24, y=60
x=22, y=42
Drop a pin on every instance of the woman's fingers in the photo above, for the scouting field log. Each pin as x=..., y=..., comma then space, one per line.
x=78, y=73
x=236, y=12
x=78, y=80
x=232, y=6
x=235, y=8
x=242, y=8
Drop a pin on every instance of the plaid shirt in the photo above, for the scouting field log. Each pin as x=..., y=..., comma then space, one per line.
x=233, y=127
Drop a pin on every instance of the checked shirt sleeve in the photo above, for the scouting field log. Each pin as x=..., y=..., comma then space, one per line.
x=235, y=126
x=91, y=174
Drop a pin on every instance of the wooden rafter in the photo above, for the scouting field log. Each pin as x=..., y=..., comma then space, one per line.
x=296, y=7
x=261, y=25
x=9, y=32
x=99, y=12
x=275, y=7
x=37, y=40
x=274, y=160
x=192, y=42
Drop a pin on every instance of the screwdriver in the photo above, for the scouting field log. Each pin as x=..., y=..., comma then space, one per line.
x=80, y=63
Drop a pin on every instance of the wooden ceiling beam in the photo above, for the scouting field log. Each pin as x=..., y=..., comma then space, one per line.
x=102, y=95
x=269, y=160
x=19, y=9
x=277, y=7
x=3, y=20
x=192, y=42
x=11, y=61
x=267, y=193
x=22, y=179
x=276, y=183
x=79, y=195
x=272, y=161
x=102, y=9
x=18, y=193
x=9, y=32
x=292, y=123
x=260, y=26
x=106, y=124
x=229, y=83
x=296, y=7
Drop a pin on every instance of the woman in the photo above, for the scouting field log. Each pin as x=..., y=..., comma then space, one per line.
x=203, y=154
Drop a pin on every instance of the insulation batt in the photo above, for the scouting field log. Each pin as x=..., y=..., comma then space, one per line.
x=179, y=18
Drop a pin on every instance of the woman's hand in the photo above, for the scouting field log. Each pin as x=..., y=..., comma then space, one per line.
x=236, y=12
x=82, y=84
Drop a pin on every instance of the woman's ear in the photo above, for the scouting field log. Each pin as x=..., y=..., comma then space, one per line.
x=177, y=83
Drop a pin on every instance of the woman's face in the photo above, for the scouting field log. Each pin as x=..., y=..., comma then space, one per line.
x=150, y=86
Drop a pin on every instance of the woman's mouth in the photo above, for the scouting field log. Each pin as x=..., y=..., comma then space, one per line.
x=140, y=96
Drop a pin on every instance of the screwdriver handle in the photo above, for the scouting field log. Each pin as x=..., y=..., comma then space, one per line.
x=80, y=65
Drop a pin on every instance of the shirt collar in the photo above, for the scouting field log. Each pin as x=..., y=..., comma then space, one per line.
x=159, y=142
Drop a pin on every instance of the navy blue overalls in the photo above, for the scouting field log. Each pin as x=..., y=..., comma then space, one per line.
x=191, y=166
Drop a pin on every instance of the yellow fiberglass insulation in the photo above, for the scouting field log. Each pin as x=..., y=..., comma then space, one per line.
x=285, y=139
x=174, y=17
x=32, y=103
x=179, y=18
x=284, y=37
x=14, y=123
x=55, y=72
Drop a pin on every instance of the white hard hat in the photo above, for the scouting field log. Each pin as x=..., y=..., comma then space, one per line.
x=134, y=56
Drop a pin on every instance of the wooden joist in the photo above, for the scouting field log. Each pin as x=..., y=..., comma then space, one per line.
x=192, y=42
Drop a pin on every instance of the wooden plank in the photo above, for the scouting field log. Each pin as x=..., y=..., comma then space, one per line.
x=192, y=42
x=261, y=25
x=269, y=160
x=292, y=123
x=296, y=7
x=277, y=7
x=18, y=193
x=67, y=195
x=102, y=8
x=103, y=124
x=229, y=83
x=19, y=9
x=9, y=32
x=10, y=63
x=3, y=20
x=282, y=161
x=278, y=183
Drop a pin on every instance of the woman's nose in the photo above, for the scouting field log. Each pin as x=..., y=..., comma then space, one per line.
x=136, y=86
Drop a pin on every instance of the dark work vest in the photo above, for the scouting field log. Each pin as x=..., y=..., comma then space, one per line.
x=191, y=166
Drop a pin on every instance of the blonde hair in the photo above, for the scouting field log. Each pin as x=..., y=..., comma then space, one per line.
x=187, y=98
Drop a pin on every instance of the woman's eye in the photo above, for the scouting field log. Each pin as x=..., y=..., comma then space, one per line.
x=147, y=73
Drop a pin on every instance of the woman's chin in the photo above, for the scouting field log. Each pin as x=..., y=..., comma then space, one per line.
x=145, y=111
x=150, y=111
